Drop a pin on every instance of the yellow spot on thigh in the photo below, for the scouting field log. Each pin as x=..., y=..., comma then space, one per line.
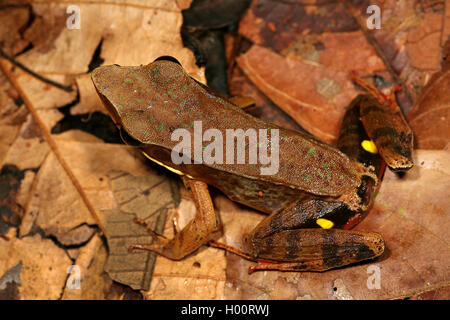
x=325, y=223
x=369, y=146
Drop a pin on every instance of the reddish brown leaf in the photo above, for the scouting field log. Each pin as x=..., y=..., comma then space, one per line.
x=316, y=97
x=430, y=116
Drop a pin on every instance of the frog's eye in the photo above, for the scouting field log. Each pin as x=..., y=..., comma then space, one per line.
x=168, y=58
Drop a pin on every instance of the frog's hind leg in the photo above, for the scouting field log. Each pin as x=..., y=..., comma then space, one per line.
x=201, y=229
x=289, y=240
x=386, y=126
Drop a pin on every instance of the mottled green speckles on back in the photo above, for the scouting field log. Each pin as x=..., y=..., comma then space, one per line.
x=312, y=152
x=138, y=77
x=161, y=126
x=172, y=94
x=168, y=99
x=319, y=172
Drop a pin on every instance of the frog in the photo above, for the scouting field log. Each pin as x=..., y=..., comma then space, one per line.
x=314, y=182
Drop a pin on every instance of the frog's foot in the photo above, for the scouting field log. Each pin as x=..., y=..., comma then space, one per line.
x=197, y=232
x=263, y=264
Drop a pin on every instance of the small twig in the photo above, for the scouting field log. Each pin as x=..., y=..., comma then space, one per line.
x=34, y=74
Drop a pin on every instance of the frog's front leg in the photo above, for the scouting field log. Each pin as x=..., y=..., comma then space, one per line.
x=280, y=242
x=196, y=233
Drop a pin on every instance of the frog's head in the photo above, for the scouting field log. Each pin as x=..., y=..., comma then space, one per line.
x=136, y=96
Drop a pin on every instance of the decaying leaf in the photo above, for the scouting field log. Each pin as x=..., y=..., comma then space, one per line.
x=43, y=262
x=10, y=282
x=148, y=198
x=409, y=40
x=93, y=283
x=198, y=276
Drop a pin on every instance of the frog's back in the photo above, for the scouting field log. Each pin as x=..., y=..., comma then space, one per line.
x=151, y=102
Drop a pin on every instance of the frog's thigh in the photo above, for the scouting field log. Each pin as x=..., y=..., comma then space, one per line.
x=281, y=240
x=196, y=233
x=299, y=214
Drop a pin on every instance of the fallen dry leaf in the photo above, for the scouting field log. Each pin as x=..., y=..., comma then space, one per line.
x=309, y=94
x=43, y=262
x=93, y=281
x=148, y=198
x=199, y=276
x=430, y=116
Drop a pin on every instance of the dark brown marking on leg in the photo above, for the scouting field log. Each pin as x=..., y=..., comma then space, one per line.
x=373, y=108
x=276, y=223
x=292, y=245
x=384, y=131
x=266, y=247
x=330, y=250
x=364, y=252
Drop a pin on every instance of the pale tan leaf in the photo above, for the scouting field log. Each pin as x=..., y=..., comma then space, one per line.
x=41, y=279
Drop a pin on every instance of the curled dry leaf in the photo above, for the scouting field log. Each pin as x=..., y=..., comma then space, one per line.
x=410, y=38
x=14, y=19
